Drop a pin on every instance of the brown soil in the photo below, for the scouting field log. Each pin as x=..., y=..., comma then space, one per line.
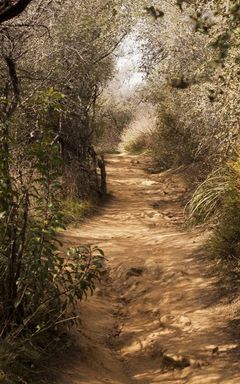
x=160, y=317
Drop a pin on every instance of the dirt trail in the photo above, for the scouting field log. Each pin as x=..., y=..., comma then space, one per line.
x=160, y=317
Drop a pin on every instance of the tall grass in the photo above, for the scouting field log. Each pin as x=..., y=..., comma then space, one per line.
x=207, y=199
x=219, y=196
x=224, y=242
x=75, y=210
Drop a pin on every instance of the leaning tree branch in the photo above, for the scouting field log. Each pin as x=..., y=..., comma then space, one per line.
x=14, y=10
x=105, y=55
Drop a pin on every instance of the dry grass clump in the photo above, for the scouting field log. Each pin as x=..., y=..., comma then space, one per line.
x=218, y=197
x=138, y=137
x=208, y=198
x=224, y=244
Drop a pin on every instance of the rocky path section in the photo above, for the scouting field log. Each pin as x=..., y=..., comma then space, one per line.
x=159, y=317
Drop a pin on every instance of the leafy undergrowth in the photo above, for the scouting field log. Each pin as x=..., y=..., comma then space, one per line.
x=76, y=210
x=24, y=360
x=30, y=342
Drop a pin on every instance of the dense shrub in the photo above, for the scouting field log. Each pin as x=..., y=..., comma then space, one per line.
x=33, y=273
x=172, y=144
x=160, y=133
x=39, y=285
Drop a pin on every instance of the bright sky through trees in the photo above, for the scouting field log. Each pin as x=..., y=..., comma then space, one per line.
x=128, y=73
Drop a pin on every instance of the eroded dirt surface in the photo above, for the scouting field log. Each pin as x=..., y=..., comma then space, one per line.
x=160, y=317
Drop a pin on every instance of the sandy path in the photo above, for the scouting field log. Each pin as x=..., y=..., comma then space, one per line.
x=160, y=317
